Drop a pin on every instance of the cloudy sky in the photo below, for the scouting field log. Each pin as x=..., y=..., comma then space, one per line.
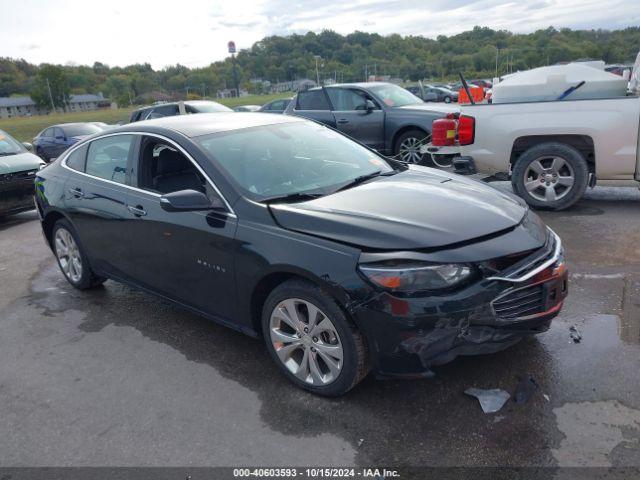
x=195, y=32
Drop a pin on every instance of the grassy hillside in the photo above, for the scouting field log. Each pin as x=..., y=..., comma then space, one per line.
x=25, y=128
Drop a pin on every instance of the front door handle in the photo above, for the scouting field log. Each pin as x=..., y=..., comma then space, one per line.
x=76, y=192
x=342, y=121
x=138, y=211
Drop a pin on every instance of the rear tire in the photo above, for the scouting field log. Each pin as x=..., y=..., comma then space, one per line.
x=550, y=176
x=72, y=260
x=407, y=146
x=312, y=341
x=447, y=99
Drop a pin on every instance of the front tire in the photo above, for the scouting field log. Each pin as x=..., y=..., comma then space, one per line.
x=407, y=146
x=71, y=257
x=447, y=99
x=312, y=341
x=550, y=176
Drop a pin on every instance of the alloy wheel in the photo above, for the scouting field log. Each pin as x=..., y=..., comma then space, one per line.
x=68, y=255
x=410, y=150
x=549, y=179
x=306, y=341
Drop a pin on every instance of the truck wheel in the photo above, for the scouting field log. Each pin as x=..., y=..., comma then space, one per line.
x=407, y=147
x=551, y=176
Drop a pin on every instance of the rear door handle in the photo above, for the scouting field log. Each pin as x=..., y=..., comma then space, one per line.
x=76, y=192
x=342, y=121
x=138, y=211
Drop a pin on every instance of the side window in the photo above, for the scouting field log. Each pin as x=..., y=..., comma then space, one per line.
x=48, y=133
x=76, y=159
x=107, y=157
x=312, y=100
x=164, y=111
x=164, y=169
x=344, y=99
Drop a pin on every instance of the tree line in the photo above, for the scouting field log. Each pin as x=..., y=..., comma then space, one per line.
x=477, y=53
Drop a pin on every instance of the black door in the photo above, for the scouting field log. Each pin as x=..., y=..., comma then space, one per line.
x=185, y=256
x=353, y=118
x=313, y=104
x=96, y=197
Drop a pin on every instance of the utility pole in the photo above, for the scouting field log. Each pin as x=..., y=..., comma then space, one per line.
x=235, y=75
x=53, y=107
x=317, y=57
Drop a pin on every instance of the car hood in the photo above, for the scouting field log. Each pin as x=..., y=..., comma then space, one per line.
x=420, y=208
x=19, y=163
x=431, y=107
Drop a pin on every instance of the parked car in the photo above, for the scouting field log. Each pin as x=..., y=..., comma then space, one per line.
x=247, y=108
x=554, y=150
x=54, y=140
x=276, y=106
x=430, y=93
x=171, y=109
x=383, y=116
x=18, y=169
x=342, y=260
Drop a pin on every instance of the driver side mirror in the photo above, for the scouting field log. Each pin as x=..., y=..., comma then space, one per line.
x=188, y=201
x=28, y=146
x=369, y=106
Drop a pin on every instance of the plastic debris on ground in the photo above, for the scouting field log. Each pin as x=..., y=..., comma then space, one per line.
x=575, y=334
x=490, y=400
x=525, y=390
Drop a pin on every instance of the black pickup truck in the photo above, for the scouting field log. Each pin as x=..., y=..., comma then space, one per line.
x=383, y=116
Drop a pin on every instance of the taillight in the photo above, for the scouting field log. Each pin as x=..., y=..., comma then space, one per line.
x=443, y=132
x=466, y=130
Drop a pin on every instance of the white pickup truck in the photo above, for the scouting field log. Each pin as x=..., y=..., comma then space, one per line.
x=550, y=150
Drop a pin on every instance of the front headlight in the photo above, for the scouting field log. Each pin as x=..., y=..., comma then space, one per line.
x=413, y=277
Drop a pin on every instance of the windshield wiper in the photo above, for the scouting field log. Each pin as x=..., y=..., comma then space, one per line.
x=292, y=197
x=364, y=178
x=6, y=154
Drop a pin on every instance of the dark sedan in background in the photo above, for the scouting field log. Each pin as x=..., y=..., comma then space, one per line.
x=342, y=260
x=170, y=109
x=382, y=116
x=431, y=93
x=52, y=141
x=276, y=106
x=18, y=168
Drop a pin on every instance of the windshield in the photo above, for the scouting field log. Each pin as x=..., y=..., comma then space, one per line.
x=9, y=146
x=209, y=107
x=395, y=96
x=284, y=159
x=81, y=130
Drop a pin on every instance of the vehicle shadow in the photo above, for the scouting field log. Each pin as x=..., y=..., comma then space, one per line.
x=394, y=422
x=9, y=221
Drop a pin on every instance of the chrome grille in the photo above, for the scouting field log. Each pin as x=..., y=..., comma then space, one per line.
x=520, y=303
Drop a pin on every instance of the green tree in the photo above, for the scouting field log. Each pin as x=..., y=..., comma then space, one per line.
x=51, y=86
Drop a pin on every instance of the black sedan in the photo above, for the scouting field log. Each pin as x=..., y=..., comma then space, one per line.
x=382, y=116
x=52, y=141
x=341, y=260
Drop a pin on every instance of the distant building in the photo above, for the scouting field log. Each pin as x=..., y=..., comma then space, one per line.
x=293, y=86
x=19, y=107
x=87, y=101
x=25, y=107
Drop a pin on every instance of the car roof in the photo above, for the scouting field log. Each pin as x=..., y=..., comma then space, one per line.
x=207, y=123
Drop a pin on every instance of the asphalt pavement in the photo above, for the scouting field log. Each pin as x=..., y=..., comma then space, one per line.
x=116, y=377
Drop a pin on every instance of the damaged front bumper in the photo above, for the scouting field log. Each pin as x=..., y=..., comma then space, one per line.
x=409, y=335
